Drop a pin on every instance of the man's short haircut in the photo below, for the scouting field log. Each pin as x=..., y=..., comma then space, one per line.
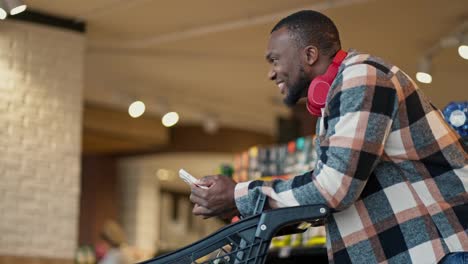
x=309, y=27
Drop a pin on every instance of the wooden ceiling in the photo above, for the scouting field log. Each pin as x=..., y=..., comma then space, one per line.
x=206, y=57
x=112, y=131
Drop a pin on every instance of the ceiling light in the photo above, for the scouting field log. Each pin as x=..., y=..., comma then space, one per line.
x=14, y=6
x=170, y=119
x=163, y=175
x=136, y=109
x=423, y=75
x=3, y=14
x=210, y=124
x=463, y=51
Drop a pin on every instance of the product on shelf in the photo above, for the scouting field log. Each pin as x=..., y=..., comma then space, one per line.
x=281, y=161
x=294, y=158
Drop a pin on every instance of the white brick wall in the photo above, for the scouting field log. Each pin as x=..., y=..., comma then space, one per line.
x=41, y=77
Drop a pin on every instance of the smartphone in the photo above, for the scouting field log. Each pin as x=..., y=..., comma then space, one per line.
x=189, y=179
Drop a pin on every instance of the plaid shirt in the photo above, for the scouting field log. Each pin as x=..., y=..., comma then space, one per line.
x=388, y=164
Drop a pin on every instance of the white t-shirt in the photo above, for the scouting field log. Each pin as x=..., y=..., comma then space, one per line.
x=114, y=256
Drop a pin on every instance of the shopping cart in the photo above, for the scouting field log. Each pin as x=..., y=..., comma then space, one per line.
x=246, y=241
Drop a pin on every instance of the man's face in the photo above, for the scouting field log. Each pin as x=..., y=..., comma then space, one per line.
x=287, y=69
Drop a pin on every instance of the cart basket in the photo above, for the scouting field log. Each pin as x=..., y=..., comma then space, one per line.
x=244, y=242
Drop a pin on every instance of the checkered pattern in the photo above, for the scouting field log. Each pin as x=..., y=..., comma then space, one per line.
x=392, y=169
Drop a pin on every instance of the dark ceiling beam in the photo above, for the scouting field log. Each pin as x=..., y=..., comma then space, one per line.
x=39, y=17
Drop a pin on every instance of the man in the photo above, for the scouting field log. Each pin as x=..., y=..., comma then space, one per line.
x=391, y=169
x=113, y=236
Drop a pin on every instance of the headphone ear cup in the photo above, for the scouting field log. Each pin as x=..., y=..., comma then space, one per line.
x=318, y=93
x=319, y=87
x=317, y=96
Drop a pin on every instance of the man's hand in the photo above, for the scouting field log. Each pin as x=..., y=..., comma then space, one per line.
x=217, y=200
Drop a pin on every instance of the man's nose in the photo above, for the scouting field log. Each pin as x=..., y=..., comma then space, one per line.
x=271, y=74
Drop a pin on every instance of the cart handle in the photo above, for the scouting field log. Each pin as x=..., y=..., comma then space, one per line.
x=272, y=220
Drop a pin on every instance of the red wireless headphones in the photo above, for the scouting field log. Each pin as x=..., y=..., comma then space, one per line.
x=320, y=85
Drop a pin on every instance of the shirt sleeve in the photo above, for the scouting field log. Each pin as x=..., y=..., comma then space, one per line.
x=352, y=135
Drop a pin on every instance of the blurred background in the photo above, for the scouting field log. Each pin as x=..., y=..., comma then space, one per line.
x=103, y=101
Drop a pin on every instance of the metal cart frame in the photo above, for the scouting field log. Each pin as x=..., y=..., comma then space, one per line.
x=246, y=241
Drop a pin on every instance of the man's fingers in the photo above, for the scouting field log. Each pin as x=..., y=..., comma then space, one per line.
x=217, y=199
x=197, y=191
x=207, y=180
x=197, y=200
x=200, y=210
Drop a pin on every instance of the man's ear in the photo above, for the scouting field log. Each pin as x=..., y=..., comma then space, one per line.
x=311, y=54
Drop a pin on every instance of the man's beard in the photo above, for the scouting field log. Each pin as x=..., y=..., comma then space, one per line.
x=298, y=90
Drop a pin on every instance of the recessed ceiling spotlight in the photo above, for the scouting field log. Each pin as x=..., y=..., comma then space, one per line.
x=424, y=71
x=15, y=6
x=170, y=119
x=136, y=109
x=463, y=51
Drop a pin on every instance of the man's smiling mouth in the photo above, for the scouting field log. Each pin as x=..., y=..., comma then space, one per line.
x=282, y=87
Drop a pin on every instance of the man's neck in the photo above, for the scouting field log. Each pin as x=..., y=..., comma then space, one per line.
x=323, y=65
